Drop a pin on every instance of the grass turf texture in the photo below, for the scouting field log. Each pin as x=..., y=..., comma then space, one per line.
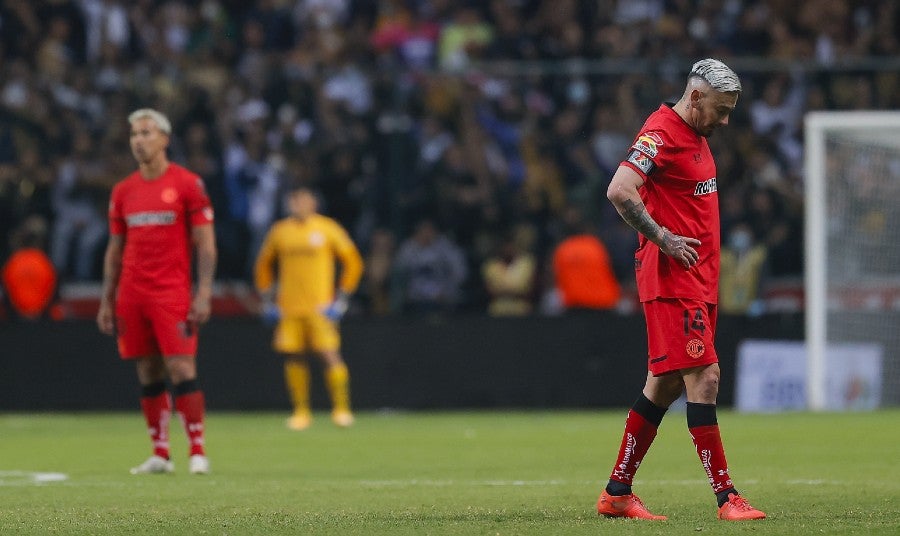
x=490, y=473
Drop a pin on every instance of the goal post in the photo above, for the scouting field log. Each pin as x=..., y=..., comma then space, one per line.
x=852, y=253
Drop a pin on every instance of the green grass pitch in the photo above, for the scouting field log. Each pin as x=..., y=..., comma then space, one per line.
x=459, y=473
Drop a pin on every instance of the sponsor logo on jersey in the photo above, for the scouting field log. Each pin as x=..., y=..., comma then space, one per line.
x=695, y=348
x=641, y=161
x=159, y=217
x=316, y=239
x=706, y=187
x=648, y=143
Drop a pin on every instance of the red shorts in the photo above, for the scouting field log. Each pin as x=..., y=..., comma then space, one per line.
x=680, y=334
x=147, y=329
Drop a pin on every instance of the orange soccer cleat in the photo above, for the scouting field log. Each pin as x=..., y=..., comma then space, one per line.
x=624, y=506
x=738, y=509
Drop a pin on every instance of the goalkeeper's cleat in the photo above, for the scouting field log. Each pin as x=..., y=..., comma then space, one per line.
x=738, y=509
x=299, y=421
x=154, y=464
x=342, y=418
x=198, y=465
x=624, y=506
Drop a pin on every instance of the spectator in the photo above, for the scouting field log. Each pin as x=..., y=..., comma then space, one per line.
x=79, y=223
x=583, y=272
x=29, y=278
x=431, y=270
x=510, y=275
x=377, y=286
x=742, y=267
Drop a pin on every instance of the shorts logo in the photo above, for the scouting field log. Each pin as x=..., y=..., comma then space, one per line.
x=169, y=195
x=641, y=161
x=648, y=143
x=695, y=348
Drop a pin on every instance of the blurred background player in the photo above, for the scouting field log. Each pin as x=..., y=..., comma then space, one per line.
x=158, y=216
x=304, y=304
x=666, y=189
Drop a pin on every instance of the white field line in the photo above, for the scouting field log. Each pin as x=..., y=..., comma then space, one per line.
x=36, y=478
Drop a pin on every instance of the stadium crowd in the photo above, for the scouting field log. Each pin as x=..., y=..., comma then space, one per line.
x=447, y=136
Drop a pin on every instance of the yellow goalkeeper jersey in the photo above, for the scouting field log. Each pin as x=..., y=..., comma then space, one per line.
x=306, y=253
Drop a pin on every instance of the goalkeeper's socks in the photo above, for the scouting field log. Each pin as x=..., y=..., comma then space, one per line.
x=191, y=406
x=296, y=378
x=641, y=425
x=704, y=428
x=157, y=409
x=337, y=379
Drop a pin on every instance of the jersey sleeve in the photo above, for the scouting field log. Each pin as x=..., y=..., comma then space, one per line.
x=647, y=153
x=263, y=273
x=116, y=219
x=197, y=203
x=351, y=260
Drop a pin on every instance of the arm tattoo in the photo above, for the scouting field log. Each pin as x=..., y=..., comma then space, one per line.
x=636, y=215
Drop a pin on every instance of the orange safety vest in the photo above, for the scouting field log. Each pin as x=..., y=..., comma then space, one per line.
x=584, y=274
x=30, y=281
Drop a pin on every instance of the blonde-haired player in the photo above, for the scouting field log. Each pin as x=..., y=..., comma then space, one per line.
x=306, y=307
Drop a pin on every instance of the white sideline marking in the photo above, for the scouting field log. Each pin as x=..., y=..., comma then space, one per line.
x=29, y=478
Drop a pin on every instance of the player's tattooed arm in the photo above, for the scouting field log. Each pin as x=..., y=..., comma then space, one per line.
x=636, y=215
x=678, y=247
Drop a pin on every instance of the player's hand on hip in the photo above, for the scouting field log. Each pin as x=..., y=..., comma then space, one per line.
x=680, y=248
x=337, y=308
x=201, y=309
x=269, y=313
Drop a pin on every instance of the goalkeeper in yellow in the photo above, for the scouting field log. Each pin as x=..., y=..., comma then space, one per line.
x=304, y=306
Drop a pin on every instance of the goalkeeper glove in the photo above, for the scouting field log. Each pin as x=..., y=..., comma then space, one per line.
x=336, y=309
x=270, y=314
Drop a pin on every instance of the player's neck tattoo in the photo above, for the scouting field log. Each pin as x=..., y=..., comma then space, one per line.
x=639, y=219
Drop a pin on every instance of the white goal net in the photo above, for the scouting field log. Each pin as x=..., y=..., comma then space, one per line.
x=852, y=256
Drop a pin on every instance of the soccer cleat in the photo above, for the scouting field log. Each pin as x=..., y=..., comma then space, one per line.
x=199, y=465
x=154, y=464
x=738, y=509
x=342, y=418
x=299, y=421
x=624, y=506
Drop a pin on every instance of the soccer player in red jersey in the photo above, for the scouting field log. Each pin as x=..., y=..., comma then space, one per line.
x=158, y=216
x=666, y=190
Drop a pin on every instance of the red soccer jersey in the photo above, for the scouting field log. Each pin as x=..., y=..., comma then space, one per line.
x=155, y=217
x=680, y=194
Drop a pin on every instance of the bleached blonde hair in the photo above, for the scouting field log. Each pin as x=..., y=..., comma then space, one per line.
x=162, y=122
x=719, y=76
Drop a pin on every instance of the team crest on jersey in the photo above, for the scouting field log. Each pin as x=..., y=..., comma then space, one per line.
x=641, y=161
x=695, y=348
x=706, y=187
x=648, y=143
x=169, y=195
x=316, y=239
